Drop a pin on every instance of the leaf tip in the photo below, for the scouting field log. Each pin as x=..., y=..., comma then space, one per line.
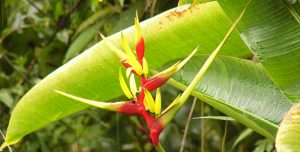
x=102, y=36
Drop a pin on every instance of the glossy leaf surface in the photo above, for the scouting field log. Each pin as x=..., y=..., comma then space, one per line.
x=239, y=88
x=271, y=31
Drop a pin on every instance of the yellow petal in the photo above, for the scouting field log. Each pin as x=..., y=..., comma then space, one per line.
x=166, y=74
x=120, y=54
x=124, y=85
x=150, y=101
x=126, y=47
x=133, y=88
x=135, y=65
x=146, y=104
x=145, y=66
x=128, y=72
x=138, y=33
x=158, y=102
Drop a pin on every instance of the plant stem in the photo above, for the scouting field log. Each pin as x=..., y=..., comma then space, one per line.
x=187, y=125
x=4, y=140
x=159, y=148
x=202, y=128
x=224, y=137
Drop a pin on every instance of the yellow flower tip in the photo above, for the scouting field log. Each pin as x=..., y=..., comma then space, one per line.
x=136, y=66
x=166, y=74
x=182, y=63
x=146, y=104
x=128, y=72
x=126, y=47
x=138, y=33
x=102, y=36
x=150, y=101
x=124, y=86
x=136, y=15
x=133, y=87
x=145, y=67
x=158, y=102
x=120, y=54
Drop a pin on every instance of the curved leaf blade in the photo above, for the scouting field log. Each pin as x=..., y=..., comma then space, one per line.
x=239, y=88
x=270, y=30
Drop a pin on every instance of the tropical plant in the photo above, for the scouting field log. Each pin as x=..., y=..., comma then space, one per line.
x=257, y=92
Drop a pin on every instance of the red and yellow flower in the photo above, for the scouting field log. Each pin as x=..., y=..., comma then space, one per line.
x=140, y=101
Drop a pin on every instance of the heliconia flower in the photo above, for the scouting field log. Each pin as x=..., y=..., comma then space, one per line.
x=145, y=67
x=149, y=101
x=151, y=105
x=136, y=66
x=139, y=40
x=158, y=102
x=126, y=47
x=146, y=104
x=120, y=54
x=126, y=107
x=128, y=72
x=133, y=87
x=127, y=59
x=159, y=79
x=142, y=100
x=124, y=86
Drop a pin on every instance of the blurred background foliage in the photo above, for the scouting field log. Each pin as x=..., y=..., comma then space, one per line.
x=38, y=36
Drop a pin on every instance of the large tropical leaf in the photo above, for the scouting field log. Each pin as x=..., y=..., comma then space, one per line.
x=93, y=74
x=271, y=31
x=240, y=89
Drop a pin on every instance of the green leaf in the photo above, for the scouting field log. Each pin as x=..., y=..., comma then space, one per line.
x=127, y=17
x=239, y=88
x=247, y=132
x=82, y=41
x=288, y=135
x=270, y=30
x=225, y=118
x=94, y=74
x=94, y=18
x=182, y=2
x=6, y=97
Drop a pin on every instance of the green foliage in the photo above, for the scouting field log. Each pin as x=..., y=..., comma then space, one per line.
x=231, y=83
x=273, y=39
x=37, y=37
